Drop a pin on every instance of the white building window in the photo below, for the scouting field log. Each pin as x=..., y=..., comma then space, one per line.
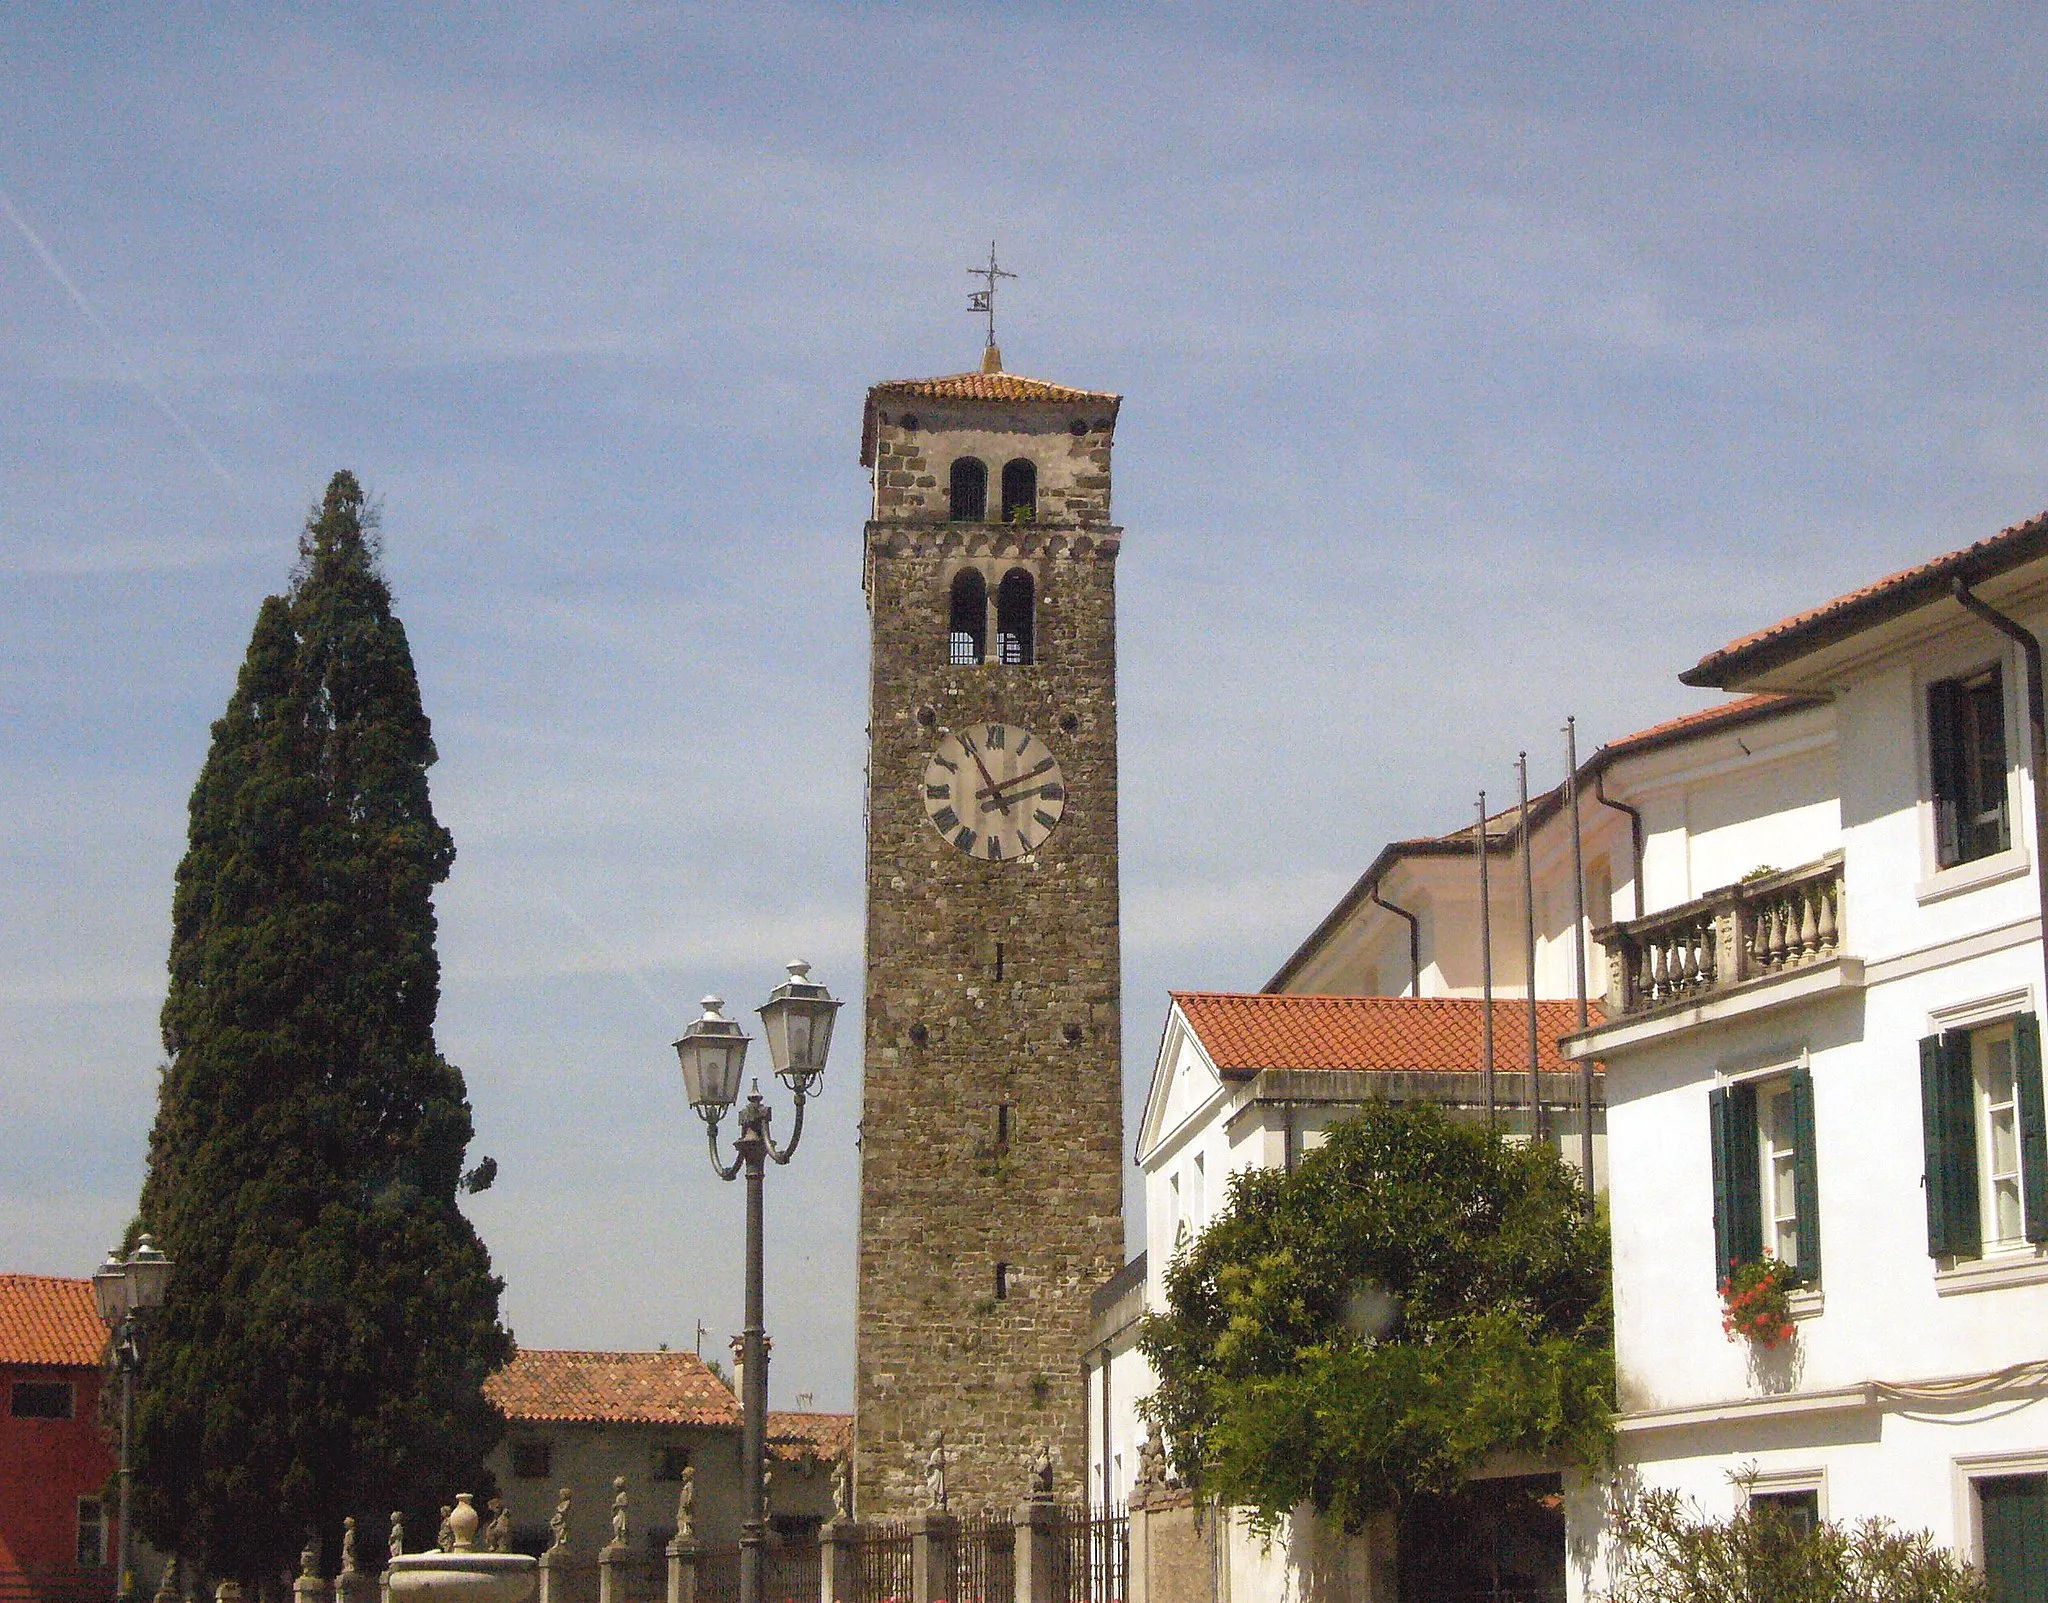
x=1966, y=750
x=1986, y=1138
x=1778, y=1163
x=1766, y=1174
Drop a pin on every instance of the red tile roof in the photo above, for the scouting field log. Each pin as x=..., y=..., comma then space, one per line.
x=1889, y=597
x=996, y=386
x=612, y=1389
x=48, y=1320
x=1246, y=1032
x=984, y=386
x=794, y=1434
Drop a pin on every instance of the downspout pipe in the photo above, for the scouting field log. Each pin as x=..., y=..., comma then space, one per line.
x=1635, y=831
x=1414, y=937
x=2037, y=737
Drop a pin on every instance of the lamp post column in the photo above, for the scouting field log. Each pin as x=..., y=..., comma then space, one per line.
x=125, y=1553
x=753, y=1149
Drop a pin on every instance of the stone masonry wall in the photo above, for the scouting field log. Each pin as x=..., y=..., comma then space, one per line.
x=915, y=445
x=987, y=984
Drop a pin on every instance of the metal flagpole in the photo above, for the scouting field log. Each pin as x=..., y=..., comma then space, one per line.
x=1536, y=1130
x=1571, y=768
x=1486, y=970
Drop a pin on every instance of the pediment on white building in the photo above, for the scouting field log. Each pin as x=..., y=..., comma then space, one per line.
x=1185, y=1081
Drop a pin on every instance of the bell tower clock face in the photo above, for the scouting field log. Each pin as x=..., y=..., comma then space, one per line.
x=994, y=791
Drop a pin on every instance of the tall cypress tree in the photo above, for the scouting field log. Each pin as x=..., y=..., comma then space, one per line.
x=333, y=1315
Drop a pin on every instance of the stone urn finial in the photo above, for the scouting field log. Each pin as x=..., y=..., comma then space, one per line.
x=462, y=1522
x=309, y=1557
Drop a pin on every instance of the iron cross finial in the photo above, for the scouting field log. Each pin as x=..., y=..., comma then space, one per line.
x=984, y=300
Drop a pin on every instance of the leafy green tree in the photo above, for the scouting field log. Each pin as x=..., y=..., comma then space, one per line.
x=1415, y=1295
x=1667, y=1553
x=332, y=1315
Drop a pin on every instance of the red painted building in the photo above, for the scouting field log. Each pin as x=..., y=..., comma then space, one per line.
x=57, y=1539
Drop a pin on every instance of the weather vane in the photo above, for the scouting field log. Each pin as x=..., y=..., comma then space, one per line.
x=984, y=300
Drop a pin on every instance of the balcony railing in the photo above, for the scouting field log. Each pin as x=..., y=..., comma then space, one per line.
x=1788, y=919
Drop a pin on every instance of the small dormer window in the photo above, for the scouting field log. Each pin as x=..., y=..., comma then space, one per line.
x=967, y=638
x=1016, y=599
x=1020, y=491
x=970, y=489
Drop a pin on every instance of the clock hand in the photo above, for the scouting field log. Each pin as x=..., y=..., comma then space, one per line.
x=967, y=741
x=1016, y=779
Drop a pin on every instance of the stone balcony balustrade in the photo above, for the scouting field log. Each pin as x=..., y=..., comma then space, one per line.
x=1768, y=924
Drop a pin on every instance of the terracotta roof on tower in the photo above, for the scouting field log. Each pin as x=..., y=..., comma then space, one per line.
x=983, y=386
x=986, y=387
x=45, y=1319
x=1244, y=1033
x=612, y=1389
x=1888, y=598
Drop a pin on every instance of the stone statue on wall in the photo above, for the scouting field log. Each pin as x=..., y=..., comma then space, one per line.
x=686, y=1506
x=309, y=1557
x=397, y=1541
x=558, y=1523
x=935, y=1473
x=1041, y=1473
x=444, y=1539
x=1151, y=1467
x=498, y=1534
x=348, y=1546
x=842, y=1488
x=618, y=1511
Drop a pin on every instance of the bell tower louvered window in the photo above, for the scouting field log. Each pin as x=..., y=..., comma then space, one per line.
x=967, y=638
x=1020, y=491
x=1016, y=602
x=970, y=489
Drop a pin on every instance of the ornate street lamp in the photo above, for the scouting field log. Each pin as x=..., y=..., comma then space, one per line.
x=126, y=1289
x=797, y=1019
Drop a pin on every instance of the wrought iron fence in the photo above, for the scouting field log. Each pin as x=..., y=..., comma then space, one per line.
x=882, y=1563
x=789, y=1573
x=1092, y=1558
x=985, y=1559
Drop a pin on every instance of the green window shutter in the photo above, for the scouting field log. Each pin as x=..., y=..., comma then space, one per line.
x=1738, y=1199
x=1717, y=1142
x=1944, y=715
x=2026, y=1043
x=1805, y=1176
x=1948, y=1123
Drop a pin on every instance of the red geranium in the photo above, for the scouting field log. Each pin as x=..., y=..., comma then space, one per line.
x=1756, y=1302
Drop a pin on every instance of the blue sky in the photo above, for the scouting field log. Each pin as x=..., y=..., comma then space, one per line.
x=1482, y=364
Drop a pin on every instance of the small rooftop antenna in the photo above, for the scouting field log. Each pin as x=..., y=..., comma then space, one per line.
x=984, y=301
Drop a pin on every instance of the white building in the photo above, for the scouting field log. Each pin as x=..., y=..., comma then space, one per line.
x=1822, y=1040
x=1252, y=1080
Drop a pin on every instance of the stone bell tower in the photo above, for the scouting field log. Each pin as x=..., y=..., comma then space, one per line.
x=992, y=1135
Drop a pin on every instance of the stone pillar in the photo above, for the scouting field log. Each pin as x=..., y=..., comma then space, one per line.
x=1037, y=1525
x=551, y=1588
x=932, y=1537
x=355, y=1586
x=838, y=1560
x=1139, y=1508
x=683, y=1553
x=309, y=1588
x=228, y=1592
x=613, y=1583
